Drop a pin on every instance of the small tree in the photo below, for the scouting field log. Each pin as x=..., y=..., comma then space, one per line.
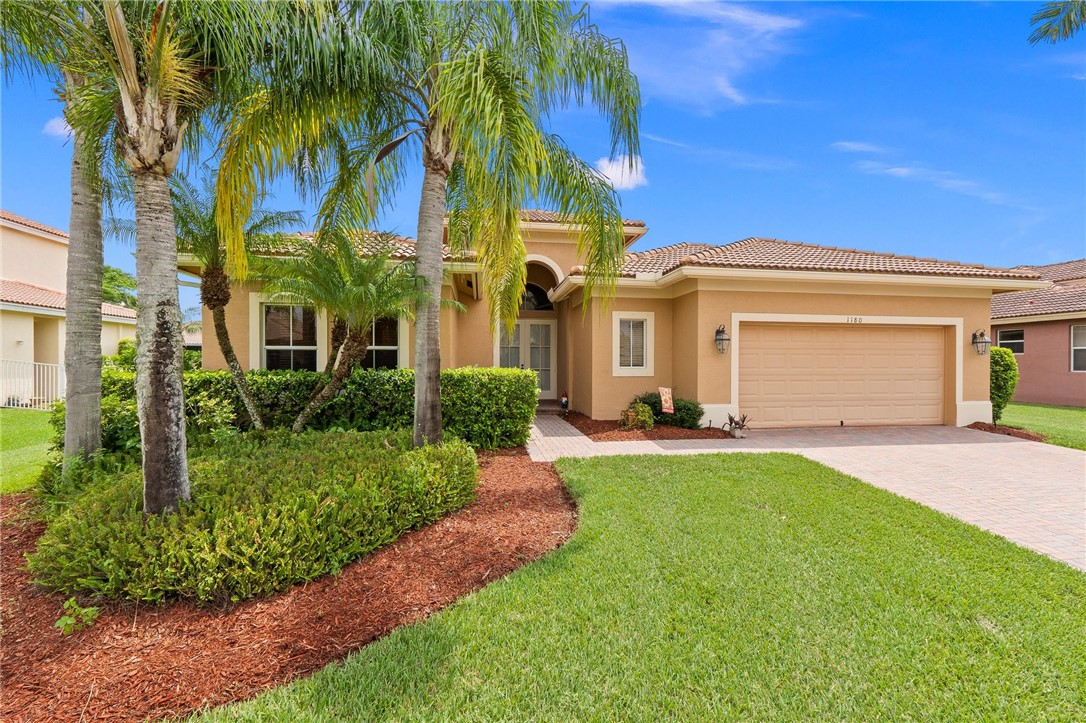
x=1004, y=380
x=355, y=286
x=197, y=234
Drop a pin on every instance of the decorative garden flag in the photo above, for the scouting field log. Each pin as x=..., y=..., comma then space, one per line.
x=667, y=403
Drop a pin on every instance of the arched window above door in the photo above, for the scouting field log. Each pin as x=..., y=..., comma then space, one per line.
x=535, y=299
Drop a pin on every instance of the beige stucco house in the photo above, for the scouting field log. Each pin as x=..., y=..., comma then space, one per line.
x=808, y=335
x=33, y=275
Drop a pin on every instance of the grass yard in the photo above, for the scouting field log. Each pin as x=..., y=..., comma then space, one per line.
x=24, y=444
x=1065, y=426
x=761, y=586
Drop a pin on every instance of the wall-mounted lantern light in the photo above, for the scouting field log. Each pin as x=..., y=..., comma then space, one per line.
x=722, y=339
x=981, y=342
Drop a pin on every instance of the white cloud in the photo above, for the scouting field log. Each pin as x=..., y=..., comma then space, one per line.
x=623, y=174
x=57, y=127
x=702, y=54
x=858, y=147
x=945, y=180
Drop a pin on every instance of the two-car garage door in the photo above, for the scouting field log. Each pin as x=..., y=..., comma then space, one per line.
x=808, y=375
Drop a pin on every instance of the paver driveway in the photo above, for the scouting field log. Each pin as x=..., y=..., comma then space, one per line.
x=1033, y=494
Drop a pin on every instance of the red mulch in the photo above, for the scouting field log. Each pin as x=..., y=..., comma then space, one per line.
x=136, y=663
x=1009, y=431
x=602, y=430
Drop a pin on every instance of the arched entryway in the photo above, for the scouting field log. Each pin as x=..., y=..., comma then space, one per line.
x=533, y=344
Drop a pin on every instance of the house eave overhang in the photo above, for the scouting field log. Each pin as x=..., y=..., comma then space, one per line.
x=50, y=311
x=33, y=231
x=682, y=273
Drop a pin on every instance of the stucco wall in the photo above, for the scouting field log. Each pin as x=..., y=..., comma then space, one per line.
x=16, y=327
x=33, y=259
x=113, y=332
x=1044, y=369
x=611, y=394
x=687, y=360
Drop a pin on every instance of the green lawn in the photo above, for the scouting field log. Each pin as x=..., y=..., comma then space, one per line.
x=732, y=587
x=24, y=443
x=1065, y=426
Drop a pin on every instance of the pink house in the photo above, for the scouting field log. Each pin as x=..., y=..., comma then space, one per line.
x=1046, y=330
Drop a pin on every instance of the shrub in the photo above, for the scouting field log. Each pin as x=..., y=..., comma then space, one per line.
x=268, y=511
x=486, y=407
x=638, y=416
x=688, y=413
x=124, y=359
x=1004, y=371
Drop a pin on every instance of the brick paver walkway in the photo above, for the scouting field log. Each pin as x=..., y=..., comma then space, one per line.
x=1031, y=493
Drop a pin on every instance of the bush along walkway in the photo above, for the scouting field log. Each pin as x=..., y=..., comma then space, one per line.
x=143, y=661
x=1034, y=497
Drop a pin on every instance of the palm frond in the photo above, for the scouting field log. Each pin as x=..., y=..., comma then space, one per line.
x=1057, y=21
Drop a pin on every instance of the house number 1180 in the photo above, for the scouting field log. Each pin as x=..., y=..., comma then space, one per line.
x=854, y=319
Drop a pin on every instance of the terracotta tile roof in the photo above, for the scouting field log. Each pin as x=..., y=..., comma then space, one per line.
x=1038, y=302
x=17, y=292
x=14, y=218
x=192, y=337
x=369, y=242
x=763, y=253
x=535, y=215
x=1064, y=271
x=660, y=260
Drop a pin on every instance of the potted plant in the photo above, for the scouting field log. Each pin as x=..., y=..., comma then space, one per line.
x=738, y=426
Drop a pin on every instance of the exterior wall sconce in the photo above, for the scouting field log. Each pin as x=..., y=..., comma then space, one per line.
x=981, y=342
x=722, y=339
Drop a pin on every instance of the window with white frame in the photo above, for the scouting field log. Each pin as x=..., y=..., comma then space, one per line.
x=1078, y=348
x=633, y=343
x=384, y=351
x=1013, y=339
x=290, y=337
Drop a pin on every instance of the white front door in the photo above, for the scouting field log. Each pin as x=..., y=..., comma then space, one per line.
x=532, y=346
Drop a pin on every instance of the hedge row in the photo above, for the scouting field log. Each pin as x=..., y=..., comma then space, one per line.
x=268, y=511
x=487, y=407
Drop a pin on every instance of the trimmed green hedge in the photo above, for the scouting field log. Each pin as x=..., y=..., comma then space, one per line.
x=268, y=511
x=1004, y=373
x=688, y=413
x=487, y=407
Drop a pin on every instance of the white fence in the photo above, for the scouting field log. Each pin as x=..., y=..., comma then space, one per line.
x=30, y=384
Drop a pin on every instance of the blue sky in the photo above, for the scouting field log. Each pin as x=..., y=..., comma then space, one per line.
x=931, y=129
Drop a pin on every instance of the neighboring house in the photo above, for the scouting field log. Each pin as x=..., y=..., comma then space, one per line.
x=1046, y=330
x=192, y=339
x=809, y=335
x=33, y=275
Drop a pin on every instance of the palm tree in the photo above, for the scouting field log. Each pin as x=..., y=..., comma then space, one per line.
x=356, y=286
x=157, y=67
x=36, y=42
x=471, y=85
x=1058, y=21
x=197, y=234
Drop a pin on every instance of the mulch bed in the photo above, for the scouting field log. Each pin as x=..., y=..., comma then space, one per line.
x=602, y=430
x=136, y=663
x=1009, y=431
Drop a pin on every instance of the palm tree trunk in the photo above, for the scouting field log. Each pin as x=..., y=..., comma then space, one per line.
x=222, y=335
x=428, y=313
x=339, y=335
x=83, y=316
x=159, y=394
x=354, y=348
